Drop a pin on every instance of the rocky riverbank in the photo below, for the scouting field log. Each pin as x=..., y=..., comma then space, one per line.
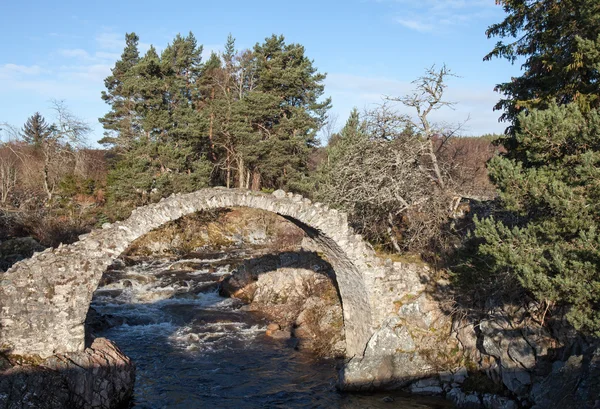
x=501, y=358
x=296, y=291
x=101, y=377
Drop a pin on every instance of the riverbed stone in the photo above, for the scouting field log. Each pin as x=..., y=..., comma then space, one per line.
x=573, y=384
x=428, y=386
x=502, y=339
x=491, y=401
x=101, y=377
x=464, y=400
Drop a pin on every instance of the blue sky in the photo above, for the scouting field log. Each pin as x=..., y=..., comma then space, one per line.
x=368, y=48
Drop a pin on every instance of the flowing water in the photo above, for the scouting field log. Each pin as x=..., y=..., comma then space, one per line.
x=194, y=348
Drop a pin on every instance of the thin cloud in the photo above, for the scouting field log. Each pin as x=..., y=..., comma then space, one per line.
x=415, y=25
x=112, y=41
x=92, y=73
x=83, y=55
x=472, y=102
x=427, y=15
x=101, y=55
x=74, y=53
x=8, y=69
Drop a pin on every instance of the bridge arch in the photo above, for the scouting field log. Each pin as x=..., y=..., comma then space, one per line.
x=44, y=300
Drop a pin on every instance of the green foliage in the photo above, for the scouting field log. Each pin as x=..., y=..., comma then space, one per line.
x=560, y=42
x=544, y=233
x=158, y=130
x=251, y=116
x=35, y=131
x=121, y=123
x=71, y=185
x=150, y=171
x=550, y=239
x=284, y=113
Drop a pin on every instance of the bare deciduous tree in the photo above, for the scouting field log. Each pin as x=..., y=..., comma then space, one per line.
x=59, y=148
x=376, y=176
x=9, y=162
x=397, y=175
x=426, y=98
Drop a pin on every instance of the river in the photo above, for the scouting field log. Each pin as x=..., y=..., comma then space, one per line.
x=194, y=348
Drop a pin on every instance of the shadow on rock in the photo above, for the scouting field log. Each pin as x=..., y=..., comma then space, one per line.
x=101, y=377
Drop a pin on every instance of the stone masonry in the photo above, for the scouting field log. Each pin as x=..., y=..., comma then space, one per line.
x=44, y=300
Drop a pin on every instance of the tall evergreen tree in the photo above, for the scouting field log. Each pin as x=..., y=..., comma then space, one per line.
x=340, y=143
x=167, y=152
x=559, y=41
x=182, y=69
x=121, y=123
x=230, y=51
x=286, y=112
x=549, y=237
x=36, y=130
x=546, y=234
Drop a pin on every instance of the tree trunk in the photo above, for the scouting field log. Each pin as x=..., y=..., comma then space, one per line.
x=241, y=173
x=255, y=180
x=46, y=184
x=436, y=167
x=210, y=129
x=228, y=166
x=392, y=236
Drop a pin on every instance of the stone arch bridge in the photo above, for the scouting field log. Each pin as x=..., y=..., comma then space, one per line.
x=44, y=300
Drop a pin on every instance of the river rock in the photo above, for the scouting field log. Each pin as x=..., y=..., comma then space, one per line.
x=320, y=324
x=101, y=377
x=429, y=386
x=294, y=290
x=503, y=339
x=387, y=372
x=572, y=384
x=96, y=322
x=491, y=401
x=280, y=334
x=273, y=327
x=464, y=400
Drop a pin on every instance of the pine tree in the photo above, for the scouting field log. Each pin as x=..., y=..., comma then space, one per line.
x=352, y=132
x=559, y=40
x=545, y=234
x=121, y=123
x=285, y=112
x=230, y=51
x=549, y=237
x=36, y=130
x=167, y=153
